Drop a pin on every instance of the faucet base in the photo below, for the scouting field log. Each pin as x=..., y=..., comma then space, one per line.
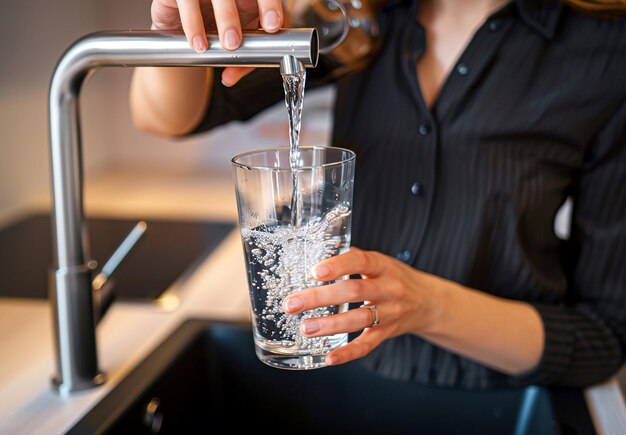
x=71, y=295
x=65, y=389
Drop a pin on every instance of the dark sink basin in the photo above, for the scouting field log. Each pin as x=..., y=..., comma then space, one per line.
x=169, y=250
x=205, y=378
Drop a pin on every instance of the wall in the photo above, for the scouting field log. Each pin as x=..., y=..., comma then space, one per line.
x=33, y=35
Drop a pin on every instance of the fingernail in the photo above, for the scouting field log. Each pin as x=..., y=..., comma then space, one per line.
x=332, y=360
x=270, y=20
x=293, y=304
x=198, y=44
x=231, y=39
x=320, y=271
x=310, y=326
x=225, y=84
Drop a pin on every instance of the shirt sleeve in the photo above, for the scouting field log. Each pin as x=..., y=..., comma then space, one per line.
x=254, y=93
x=585, y=338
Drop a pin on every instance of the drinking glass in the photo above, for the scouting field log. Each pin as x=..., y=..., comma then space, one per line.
x=286, y=231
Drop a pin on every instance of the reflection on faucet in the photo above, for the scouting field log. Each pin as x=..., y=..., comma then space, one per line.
x=71, y=282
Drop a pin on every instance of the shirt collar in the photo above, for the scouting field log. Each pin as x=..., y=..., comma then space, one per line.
x=541, y=15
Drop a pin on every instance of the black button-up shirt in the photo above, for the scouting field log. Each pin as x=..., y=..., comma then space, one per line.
x=534, y=112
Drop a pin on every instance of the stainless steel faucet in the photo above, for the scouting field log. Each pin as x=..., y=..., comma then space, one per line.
x=71, y=276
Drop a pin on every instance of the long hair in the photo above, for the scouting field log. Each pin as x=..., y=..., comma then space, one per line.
x=605, y=7
x=584, y=5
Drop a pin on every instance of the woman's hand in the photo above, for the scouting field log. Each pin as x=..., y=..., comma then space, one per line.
x=503, y=334
x=229, y=16
x=405, y=301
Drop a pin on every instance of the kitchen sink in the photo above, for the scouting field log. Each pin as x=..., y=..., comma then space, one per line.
x=205, y=378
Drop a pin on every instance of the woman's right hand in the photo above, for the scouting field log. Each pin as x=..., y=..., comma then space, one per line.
x=194, y=17
x=173, y=101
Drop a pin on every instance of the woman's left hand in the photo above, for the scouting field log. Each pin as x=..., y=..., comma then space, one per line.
x=405, y=300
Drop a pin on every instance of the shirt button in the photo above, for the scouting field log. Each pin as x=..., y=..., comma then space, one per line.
x=424, y=129
x=494, y=25
x=417, y=189
x=404, y=255
x=462, y=69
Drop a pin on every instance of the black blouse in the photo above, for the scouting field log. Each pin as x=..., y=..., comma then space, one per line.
x=534, y=112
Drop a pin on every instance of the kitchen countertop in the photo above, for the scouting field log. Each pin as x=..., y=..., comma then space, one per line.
x=130, y=331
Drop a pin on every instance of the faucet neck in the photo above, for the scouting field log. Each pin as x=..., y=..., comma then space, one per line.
x=71, y=283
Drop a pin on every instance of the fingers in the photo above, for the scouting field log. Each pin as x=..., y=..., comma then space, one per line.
x=232, y=75
x=271, y=19
x=351, y=290
x=228, y=23
x=193, y=25
x=350, y=321
x=165, y=15
x=356, y=261
x=357, y=348
x=271, y=15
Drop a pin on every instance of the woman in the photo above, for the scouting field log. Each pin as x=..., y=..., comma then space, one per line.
x=485, y=115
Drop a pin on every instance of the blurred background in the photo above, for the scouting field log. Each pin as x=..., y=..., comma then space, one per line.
x=34, y=34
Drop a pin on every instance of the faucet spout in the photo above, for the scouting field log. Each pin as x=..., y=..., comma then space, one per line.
x=71, y=281
x=289, y=65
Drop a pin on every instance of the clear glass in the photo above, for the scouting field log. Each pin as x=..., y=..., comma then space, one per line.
x=279, y=255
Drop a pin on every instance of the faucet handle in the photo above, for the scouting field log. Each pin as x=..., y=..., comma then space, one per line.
x=102, y=285
x=120, y=253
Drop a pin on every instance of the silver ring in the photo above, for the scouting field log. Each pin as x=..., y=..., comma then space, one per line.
x=374, y=313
